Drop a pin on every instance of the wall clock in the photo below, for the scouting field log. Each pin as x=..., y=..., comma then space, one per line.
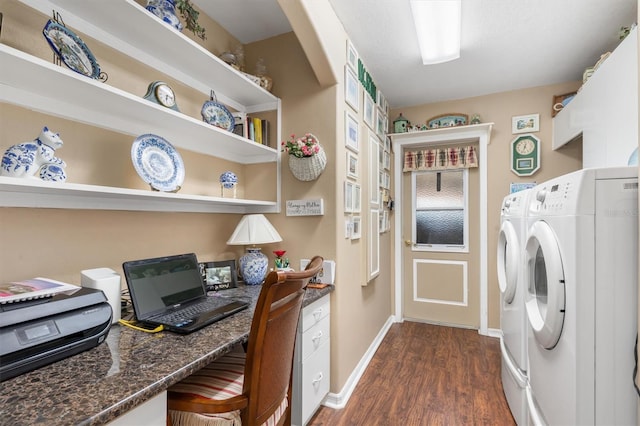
x=525, y=155
x=161, y=93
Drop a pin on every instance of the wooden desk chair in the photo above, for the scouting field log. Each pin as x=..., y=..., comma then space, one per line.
x=252, y=388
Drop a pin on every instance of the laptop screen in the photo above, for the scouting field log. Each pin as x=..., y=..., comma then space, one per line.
x=155, y=284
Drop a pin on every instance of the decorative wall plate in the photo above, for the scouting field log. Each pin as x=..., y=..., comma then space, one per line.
x=157, y=162
x=71, y=49
x=448, y=120
x=218, y=115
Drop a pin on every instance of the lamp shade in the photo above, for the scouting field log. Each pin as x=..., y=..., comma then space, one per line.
x=254, y=229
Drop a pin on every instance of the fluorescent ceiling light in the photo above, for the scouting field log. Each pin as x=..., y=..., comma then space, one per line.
x=438, y=27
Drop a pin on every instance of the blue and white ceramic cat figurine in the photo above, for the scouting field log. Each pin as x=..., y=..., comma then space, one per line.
x=35, y=159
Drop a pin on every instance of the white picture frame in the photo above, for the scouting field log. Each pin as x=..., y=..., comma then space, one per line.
x=356, y=203
x=374, y=170
x=387, y=144
x=381, y=123
x=525, y=123
x=352, y=56
x=356, y=227
x=374, y=244
x=352, y=165
x=348, y=197
x=368, y=110
x=351, y=132
x=351, y=89
x=386, y=160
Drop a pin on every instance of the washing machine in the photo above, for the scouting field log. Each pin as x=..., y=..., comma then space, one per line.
x=581, y=260
x=513, y=321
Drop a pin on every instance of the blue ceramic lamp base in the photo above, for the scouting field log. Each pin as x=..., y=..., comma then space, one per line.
x=253, y=266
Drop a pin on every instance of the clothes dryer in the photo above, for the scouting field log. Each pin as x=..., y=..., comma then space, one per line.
x=513, y=321
x=581, y=301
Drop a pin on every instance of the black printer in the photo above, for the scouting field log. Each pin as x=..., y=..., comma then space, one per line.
x=38, y=332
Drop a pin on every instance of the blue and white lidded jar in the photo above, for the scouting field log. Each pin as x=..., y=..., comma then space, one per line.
x=228, y=180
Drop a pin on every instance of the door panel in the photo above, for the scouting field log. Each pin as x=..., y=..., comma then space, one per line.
x=441, y=287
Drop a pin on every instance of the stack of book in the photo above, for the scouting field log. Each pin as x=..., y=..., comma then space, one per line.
x=252, y=128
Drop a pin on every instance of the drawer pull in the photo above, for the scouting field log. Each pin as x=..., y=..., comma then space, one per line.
x=318, y=378
x=317, y=337
x=317, y=314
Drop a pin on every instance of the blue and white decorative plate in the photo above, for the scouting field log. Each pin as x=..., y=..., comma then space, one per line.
x=157, y=162
x=218, y=115
x=71, y=49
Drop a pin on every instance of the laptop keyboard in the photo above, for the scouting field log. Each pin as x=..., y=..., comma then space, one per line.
x=187, y=313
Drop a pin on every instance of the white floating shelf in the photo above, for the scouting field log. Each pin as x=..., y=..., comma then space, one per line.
x=36, y=84
x=34, y=193
x=129, y=28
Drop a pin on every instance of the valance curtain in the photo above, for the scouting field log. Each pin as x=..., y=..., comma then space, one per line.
x=458, y=157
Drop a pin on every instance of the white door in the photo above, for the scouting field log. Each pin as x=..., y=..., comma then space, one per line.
x=545, y=298
x=440, y=227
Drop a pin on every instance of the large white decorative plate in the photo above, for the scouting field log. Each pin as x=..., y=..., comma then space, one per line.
x=217, y=114
x=157, y=162
x=71, y=49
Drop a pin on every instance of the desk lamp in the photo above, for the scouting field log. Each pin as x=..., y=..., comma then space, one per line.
x=254, y=229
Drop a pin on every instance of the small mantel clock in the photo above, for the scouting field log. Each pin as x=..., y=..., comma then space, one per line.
x=161, y=93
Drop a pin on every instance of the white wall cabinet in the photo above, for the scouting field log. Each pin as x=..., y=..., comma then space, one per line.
x=605, y=111
x=311, y=365
x=35, y=84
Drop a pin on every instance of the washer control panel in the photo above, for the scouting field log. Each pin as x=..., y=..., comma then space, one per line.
x=553, y=197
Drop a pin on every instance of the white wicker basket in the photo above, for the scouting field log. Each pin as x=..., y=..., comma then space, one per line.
x=308, y=168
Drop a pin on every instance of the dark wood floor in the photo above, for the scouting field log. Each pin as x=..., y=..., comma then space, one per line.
x=425, y=374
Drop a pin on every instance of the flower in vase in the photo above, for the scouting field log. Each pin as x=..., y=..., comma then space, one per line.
x=280, y=261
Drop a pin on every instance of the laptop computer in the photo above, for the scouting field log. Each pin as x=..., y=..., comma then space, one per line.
x=169, y=291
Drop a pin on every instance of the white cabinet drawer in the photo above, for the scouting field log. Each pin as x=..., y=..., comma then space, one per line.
x=315, y=337
x=314, y=313
x=315, y=381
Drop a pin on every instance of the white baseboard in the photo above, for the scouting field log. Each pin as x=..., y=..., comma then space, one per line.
x=493, y=332
x=339, y=400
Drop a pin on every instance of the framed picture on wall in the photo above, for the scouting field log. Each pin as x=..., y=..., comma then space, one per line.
x=357, y=197
x=374, y=170
x=352, y=165
x=351, y=132
x=351, y=89
x=352, y=56
x=348, y=196
x=356, y=228
x=525, y=123
x=369, y=110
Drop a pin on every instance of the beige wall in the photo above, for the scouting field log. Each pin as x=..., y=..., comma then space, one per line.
x=499, y=108
x=357, y=312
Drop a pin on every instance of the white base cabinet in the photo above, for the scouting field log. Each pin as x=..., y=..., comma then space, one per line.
x=311, y=365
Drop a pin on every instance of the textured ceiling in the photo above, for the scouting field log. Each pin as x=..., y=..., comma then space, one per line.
x=506, y=44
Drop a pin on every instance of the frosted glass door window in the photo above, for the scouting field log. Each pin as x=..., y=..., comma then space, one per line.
x=440, y=208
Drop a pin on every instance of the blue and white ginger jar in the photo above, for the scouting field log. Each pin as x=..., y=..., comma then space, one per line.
x=228, y=180
x=253, y=266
